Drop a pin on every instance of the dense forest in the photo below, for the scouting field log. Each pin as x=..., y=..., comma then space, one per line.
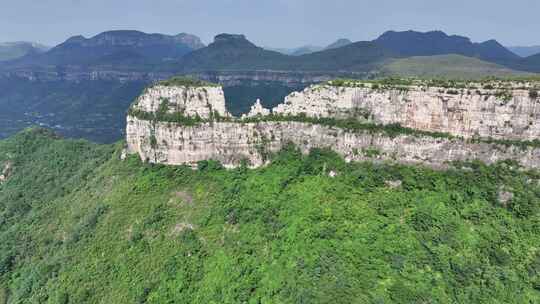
x=79, y=225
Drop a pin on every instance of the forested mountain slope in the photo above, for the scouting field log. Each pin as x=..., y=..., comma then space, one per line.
x=78, y=225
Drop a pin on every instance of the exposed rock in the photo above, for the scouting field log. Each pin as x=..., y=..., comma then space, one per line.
x=393, y=183
x=123, y=154
x=465, y=113
x=6, y=172
x=181, y=227
x=504, y=196
x=257, y=110
x=200, y=101
x=508, y=113
x=232, y=142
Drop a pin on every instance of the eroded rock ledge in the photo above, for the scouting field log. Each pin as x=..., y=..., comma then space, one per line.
x=183, y=124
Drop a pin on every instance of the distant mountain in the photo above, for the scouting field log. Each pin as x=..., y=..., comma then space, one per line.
x=232, y=52
x=235, y=52
x=153, y=53
x=116, y=47
x=530, y=64
x=14, y=50
x=412, y=43
x=307, y=49
x=525, y=51
x=339, y=43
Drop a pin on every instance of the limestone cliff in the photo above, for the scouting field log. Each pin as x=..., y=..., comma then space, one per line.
x=496, y=110
x=189, y=100
x=184, y=140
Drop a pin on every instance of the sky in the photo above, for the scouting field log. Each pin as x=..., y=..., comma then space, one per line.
x=277, y=23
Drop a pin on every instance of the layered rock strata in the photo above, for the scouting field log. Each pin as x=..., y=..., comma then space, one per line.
x=202, y=101
x=258, y=134
x=232, y=142
x=508, y=112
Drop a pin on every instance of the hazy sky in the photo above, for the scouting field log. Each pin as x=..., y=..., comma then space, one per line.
x=279, y=23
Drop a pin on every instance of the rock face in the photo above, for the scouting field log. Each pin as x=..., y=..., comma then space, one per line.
x=5, y=172
x=509, y=113
x=257, y=110
x=192, y=101
x=232, y=140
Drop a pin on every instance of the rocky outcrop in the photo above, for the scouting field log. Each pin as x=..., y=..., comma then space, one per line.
x=259, y=134
x=6, y=171
x=201, y=101
x=510, y=112
x=257, y=110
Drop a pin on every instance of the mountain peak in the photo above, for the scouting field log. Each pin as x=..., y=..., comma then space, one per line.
x=339, y=43
x=229, y=37
x=191, y=40
x=236, y=40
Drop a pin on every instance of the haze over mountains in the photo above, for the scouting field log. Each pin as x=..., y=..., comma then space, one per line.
x=135, y=50
x=525, y=51
x=14, y=50
x=308, y=49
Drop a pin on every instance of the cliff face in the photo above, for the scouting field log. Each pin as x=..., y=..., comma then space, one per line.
x=256, y=135
x=505, y=113
x=231, y=142
x=188, y=100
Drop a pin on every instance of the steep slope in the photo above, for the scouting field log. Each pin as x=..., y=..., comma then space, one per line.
x=412, y=43
x=80, y=226
x=117, y=48
x=14, y=50
x=447, y=66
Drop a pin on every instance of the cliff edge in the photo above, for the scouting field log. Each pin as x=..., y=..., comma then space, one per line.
x=413, y=122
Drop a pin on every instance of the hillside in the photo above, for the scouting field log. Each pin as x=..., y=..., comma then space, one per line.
x=412, y=43
x=447, y=66
x=531, y=63
x=14, y=50
x=80, y=226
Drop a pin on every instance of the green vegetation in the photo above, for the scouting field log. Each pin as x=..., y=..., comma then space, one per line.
x=186, y=82
x=92, y=109
x=403, y=83
x=77, y=225
x=447, y=66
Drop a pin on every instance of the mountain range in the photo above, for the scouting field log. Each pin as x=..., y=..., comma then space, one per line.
x=525, y=51
x=185, y=53
x=114, y=48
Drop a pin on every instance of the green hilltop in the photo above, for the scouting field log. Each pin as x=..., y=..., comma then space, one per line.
x=78, y=225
